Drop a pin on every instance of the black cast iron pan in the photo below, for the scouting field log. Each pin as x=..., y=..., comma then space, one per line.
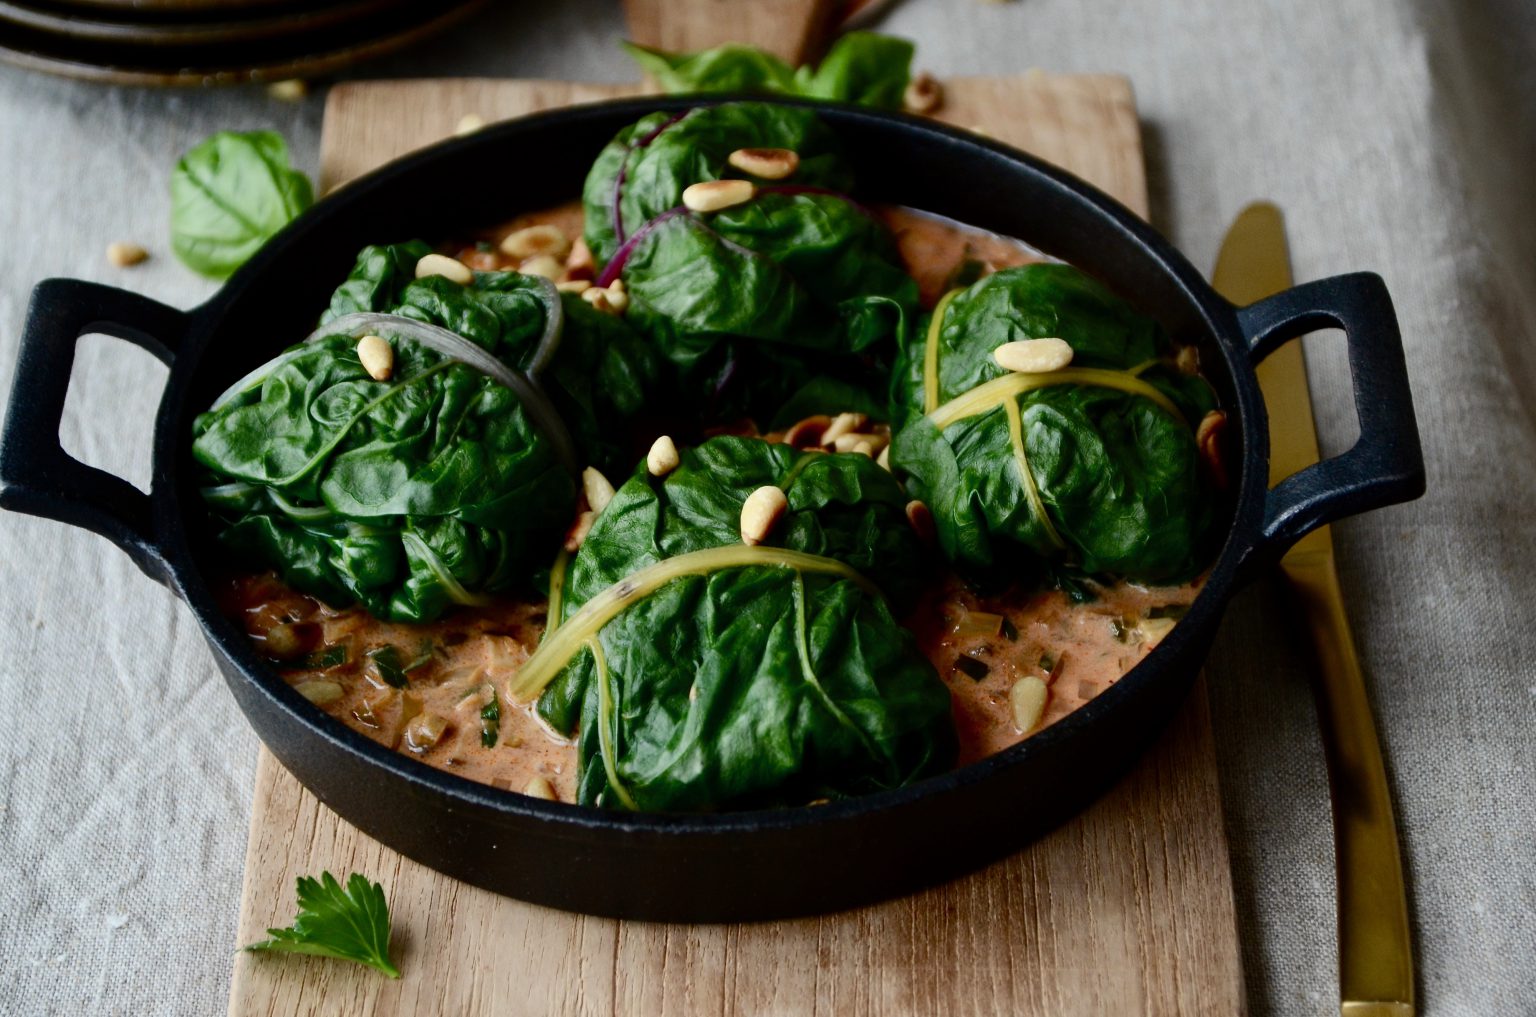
x=738, y=866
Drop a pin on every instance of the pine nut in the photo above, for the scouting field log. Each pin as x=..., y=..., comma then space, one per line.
x=1154, y=630
x=760, y=513
x=290, y=90
x=610, y=301
x=574, y=286
x=843, y=423
x=920, y=518
x=1208, y=441
x=546, y=265
x=864, y=444
x=853, y=442
x=449, y=268
x=807, y=433
x=766, y=163
x=577, y=534
x=885, y=459
x=596, y=487
x=541, y=239
x=1033, y=356
x=469, y=123
x=377, y=356
x=1027, y=701
x=321, y=691
x=1187, y=360
x=122, y=254
x=540, y=787
x=923, y=94
x=662, y=459
x=579, y=264
x=713, y=195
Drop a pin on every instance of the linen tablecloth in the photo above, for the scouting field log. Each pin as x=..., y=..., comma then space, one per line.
x=1398, y=137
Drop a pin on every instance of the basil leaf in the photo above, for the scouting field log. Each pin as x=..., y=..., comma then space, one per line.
x=861, y=67
x=230, y=195
x=728, y=68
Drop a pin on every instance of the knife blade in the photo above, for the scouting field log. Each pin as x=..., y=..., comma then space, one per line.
x=1375, y=946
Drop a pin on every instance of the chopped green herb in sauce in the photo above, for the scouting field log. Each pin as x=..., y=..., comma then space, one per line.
x=386, y=661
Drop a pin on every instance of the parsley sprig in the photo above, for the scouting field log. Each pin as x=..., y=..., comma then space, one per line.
x=350, y=923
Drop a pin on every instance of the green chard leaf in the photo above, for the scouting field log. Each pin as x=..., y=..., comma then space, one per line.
x=755, y=684
x=436, y=487
x=348, y=924
x=230, y=195
x=799, y=287
x=643, y=171
x=729, y=68
x=1095, y=474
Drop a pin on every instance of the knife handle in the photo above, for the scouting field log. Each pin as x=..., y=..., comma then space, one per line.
x=1385, y=466
x=1375, y=944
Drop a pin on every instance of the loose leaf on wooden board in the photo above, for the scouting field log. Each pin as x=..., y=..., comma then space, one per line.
x=230, y=195
x=434, y=486
x=861, y=67
x=350, y=923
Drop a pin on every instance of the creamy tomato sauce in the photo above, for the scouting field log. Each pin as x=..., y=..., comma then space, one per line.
x=427, y=698
x=424, y=689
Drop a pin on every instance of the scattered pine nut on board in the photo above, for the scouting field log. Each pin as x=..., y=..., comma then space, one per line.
x=1127, y=909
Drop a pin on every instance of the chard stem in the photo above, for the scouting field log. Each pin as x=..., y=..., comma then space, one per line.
x=556, y=651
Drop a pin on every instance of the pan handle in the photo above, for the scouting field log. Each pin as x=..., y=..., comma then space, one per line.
x=1385, y=466
x=36, y=475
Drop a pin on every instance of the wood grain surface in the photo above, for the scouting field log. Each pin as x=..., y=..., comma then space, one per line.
x=791, y=29
x=1125, y=910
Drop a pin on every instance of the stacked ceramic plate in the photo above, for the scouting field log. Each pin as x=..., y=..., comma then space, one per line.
x=199, y=42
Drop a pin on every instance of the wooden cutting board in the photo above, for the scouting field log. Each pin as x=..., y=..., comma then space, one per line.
x=1126, y=910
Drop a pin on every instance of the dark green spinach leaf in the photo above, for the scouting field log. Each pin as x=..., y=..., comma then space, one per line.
x=861, y=67
x=1097, y=473
x=643, y=171
x=759, y=684
x=756, y=301
x=435, y=487
x=230, y=195
x=408, y=495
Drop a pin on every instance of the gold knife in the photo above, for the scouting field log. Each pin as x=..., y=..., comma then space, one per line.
x=1375, y=948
